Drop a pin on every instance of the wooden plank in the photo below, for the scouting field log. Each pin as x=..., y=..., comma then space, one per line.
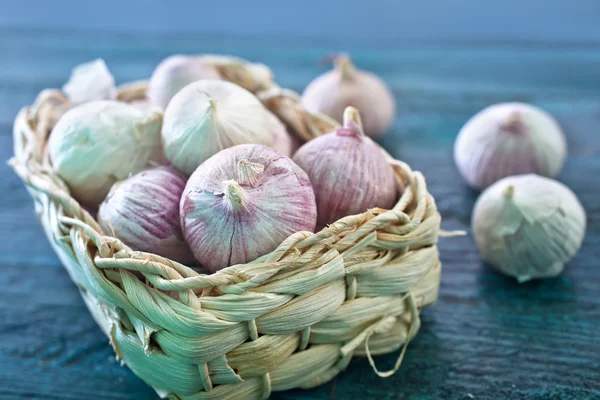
x=487, y=337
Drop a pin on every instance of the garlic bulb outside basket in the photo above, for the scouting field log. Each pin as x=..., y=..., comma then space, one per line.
x=99, y=143
x=242, y=203
x=528, y=226
x=208, y=116
x=347, y=86
x=509, y=139
x=349, y=171
x=143, y=211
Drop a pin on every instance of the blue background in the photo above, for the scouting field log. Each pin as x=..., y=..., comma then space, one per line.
x=555, y=21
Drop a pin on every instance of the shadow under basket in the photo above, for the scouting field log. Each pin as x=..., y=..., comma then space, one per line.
x=293, y=318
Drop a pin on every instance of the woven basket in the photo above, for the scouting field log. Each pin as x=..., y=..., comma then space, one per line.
x=291, y=319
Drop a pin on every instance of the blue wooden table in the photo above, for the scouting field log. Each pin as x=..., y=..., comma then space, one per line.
x=486, y=338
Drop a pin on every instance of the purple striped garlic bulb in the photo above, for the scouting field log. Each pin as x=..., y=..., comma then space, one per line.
x=143, y=212
x=347, y=85
x=509, y=139
x=348, y=170
x=242, y=203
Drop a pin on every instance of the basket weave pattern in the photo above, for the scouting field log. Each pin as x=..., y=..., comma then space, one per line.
x=291, y=319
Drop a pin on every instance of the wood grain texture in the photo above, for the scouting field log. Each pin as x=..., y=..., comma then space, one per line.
x=486, y=338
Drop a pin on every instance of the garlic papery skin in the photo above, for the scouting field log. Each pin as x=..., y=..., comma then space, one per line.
x=282, y=140
x=208, y=116
x=509, y=139
x=90, y=81
x=173, y=74
x=347, y=86
x=348, y=170
x=242, y=203
x=528, y=226
x=99, y=143
x=143, y=212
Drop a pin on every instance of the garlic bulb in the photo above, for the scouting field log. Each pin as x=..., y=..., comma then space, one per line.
x=528, y=226
x=242, y=203
x=208, y=116
x=282, y=141
x=90, y=81
x=509, y=139
x=98, y=143
x=143, y=211
x=348, y=170
x=176, y=72
x=173, y=74
x=347, y=86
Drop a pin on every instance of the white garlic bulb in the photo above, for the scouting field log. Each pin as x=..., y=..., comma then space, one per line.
x=98, y=143
x=177, y=71
x=528, y=226
x=509, y=139
x=345, y=86
x=90, y=81
x=173, y=74
x=208, y=116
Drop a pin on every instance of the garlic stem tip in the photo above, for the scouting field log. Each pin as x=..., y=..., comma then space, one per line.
x=344, y=65
x=351, y=115
x=212, y=103
x=513, y=117
x=234, y=193
x=509, y=192
x=513, y=122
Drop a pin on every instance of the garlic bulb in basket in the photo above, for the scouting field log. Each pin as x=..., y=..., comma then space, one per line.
x=282, y=141
x=509, y=139
x=208, y=116
x=242, y=203
x=98, y=143
x=173, y=74
x=90, y=81
x=143, y=211
x=528, y=226
x=347, y=86
x=176, y=72
x=348, y=170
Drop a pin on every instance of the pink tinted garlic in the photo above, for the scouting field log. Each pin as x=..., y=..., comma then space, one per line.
x=99, y=143
x=90, y=81
x=509, y=139
x=208, y=116
x=347, y=86
x=143, y=212
x=242, y=203
x=173, y=74
x=348, y=170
